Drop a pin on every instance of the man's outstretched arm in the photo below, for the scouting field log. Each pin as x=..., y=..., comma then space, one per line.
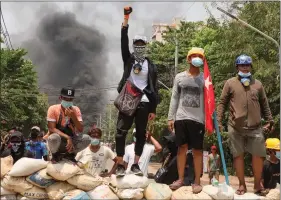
x=124, y=35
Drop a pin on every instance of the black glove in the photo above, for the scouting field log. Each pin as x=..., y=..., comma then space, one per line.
x=128, y=10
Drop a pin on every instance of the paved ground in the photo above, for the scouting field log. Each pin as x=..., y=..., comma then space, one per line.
x=153, y=167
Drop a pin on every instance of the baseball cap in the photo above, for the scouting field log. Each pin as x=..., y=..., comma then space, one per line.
x=36, y=128
x=214, y=148
x=67, y=92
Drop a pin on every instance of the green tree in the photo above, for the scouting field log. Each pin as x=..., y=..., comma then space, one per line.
x=21, y=102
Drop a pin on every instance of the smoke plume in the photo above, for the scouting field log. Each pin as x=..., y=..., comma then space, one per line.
x=70, y=54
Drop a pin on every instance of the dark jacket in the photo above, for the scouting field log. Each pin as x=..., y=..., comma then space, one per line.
x=151, y=90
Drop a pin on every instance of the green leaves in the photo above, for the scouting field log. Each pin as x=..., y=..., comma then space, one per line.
x=21, y=102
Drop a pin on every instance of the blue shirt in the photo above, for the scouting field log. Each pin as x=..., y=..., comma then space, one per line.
x=38, y=149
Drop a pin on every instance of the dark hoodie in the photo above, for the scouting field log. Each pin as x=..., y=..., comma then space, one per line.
x=21, y=151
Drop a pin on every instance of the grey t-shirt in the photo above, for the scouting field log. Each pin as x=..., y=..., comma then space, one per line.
x=187, y=100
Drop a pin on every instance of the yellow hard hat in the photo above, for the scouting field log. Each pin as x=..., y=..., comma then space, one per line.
x=273, y=143
x=195, y=50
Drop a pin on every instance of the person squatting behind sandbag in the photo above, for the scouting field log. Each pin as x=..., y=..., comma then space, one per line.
x=93, y=159
x=138, y=96
x=148, y=151
x=16, y=147
x=65, y=138
x=271, y=166
x=35, y=146
x=186, y=116
x=248, y=104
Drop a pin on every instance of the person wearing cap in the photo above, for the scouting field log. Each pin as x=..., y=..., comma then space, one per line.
x=271, y=166
x=246, y=98
x=65, y=138
x=140, y=71
x=213, y=164
x=93, y=159
x=36, y=147
x=148, y=151
x=186, y=116
x=16, y=147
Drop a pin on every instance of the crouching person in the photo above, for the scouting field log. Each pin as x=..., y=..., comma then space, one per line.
x=65, y=138
x=94, y=158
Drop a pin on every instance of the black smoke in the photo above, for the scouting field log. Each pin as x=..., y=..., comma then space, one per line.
x=68, y=53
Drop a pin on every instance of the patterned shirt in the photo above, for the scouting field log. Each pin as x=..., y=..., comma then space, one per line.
x=187, y=100
x=38, y=149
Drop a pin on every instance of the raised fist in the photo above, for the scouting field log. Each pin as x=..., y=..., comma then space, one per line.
x=128, y=10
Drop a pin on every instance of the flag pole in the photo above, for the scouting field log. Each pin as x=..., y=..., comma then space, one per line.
x=220, y=147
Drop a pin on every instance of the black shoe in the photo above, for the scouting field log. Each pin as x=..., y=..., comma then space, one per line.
x=56, y=157
x=136, y=170
x=70, y=157
x=120, y=171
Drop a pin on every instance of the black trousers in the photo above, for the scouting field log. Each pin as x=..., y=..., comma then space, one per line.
x=124, y=123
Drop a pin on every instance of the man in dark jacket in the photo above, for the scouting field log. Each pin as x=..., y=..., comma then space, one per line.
x=141, y=72
x=16, y=147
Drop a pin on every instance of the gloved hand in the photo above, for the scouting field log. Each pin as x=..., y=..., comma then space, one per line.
x=127, y=11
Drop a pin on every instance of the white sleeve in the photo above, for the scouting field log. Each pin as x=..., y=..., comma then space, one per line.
x=79, y=155
x=110, y=154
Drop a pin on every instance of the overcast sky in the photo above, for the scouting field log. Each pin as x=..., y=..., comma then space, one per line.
x=22, y=19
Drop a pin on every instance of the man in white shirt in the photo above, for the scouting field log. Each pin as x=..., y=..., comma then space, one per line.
x=148, y=151
x=94, y=158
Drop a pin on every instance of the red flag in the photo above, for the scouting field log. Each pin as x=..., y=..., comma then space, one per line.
x=209, y=98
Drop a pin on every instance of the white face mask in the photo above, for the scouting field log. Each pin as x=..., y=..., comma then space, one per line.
x=15, y=146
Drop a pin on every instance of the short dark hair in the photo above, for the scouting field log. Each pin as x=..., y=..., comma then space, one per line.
x=95, y=130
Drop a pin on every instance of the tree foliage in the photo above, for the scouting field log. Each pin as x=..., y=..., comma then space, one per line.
x=21, y=104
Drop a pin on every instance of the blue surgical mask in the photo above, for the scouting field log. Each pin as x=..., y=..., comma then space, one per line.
x=244, y=75
x=278, y=154
x=66, y=104
x=197, y=62
x=135, y=139
x=95, y=142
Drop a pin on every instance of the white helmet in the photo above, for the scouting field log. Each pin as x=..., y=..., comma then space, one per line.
x=140, y=38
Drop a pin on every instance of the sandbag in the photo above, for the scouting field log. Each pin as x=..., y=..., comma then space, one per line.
x=248, y=196
x=157, y=191
x=41, y=179
x=273, y=194
x=76, y=195
x=63, y=170
x=6, y=192
x=185, y=192
x=130, y=193
x=102, y=192
x=35, y=193
x=85, y=182
x=20, y=197
x=223, y=191
x=129, y=181
x=9, y=197
x=6, y=165
x=58, y=190
x=16, y=184
x=27, y=166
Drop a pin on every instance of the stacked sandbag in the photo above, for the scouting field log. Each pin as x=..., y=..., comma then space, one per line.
x=157, y=191
x=76, y=195
x=41, y=179
x=102, y=192
x=6, y=165
x=185, y=192
x=85, y=182
x=130, y=193
x=222, y=191
x=58, y=190
x=129, y=181
x=250, y=196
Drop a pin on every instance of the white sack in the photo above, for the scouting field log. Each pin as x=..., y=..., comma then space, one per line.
x=63, y=170
x=157, y=191
x=129, y=181
x=27, y=166
x=58, y=190
x=35, y=193
x=17, y=184
x=185, y=192
x=130, y=193
x=102, y=192
x=6, y=192
x=85, y=182
x=6, y=165
x=76, y=195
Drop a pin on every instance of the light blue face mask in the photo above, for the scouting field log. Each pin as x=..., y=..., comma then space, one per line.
x=135, y=139
x=95, y=142
x=66, y=104
x=278, y=154
x=197, y=62
x=244, y=75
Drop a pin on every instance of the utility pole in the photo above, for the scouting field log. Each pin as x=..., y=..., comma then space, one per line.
x=109, y=123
